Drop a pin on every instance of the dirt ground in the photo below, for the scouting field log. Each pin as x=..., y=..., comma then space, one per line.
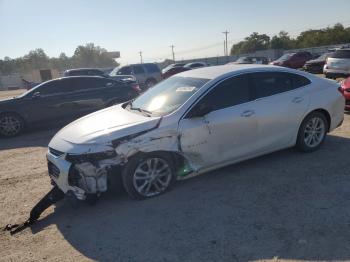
x=12, y=93
x=283, y=206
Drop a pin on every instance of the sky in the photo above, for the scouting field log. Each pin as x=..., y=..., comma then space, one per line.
x=194, y=27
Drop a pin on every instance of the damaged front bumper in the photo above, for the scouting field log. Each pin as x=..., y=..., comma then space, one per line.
x=80, y=176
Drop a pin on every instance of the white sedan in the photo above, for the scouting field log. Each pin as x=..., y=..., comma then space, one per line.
x=192, y=123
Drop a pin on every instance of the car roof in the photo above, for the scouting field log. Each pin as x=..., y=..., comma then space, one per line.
x=79, y=69
x=83, y=76
x=213, y=72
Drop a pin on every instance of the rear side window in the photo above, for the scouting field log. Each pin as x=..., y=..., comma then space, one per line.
x=152, y=68
x=268, y=84
x=138, y=69
x=87, y=83
x=231, y=92
x=341, y=54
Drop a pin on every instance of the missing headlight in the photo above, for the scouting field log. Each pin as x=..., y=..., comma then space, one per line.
x=91, y=157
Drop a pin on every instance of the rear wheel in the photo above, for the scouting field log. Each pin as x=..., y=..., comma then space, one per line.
x=148, y=175
x=10, y=124
x=150, y=83
x=312, y=132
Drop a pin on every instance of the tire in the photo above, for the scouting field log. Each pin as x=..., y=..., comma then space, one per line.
x=150, y=82
x=312, y=132
x=141, y=179
x=11, y=125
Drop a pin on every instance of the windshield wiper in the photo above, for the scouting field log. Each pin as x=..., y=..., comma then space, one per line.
x=149, y=113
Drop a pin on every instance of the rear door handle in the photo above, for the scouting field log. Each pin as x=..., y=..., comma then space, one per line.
x=297, y=100
x=247, y=113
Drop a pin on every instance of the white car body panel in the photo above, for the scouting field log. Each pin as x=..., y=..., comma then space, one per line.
x=220, y=138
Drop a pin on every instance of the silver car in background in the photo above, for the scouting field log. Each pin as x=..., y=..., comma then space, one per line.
x=338, y=64
x=191, y=123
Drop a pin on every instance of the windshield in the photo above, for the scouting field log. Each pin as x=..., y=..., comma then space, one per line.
x=285, y=57
x=114, y=71
x=168, y=95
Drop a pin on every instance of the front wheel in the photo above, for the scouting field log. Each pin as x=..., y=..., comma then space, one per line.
x=148, y=175
x=312, y=132
x=10, y=125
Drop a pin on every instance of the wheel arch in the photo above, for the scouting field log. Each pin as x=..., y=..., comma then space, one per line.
x=325, y=113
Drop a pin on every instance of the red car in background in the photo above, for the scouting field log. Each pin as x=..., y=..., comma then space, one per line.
x=345, y=89
x=293, y=60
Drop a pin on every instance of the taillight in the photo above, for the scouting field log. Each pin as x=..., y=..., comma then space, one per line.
x=136, y=87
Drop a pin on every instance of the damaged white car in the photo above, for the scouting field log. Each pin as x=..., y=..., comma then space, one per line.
x=191, y=123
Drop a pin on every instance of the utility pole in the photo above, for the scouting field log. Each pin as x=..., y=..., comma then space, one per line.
x=226, y=51
x=141, y=56
x=172, y=50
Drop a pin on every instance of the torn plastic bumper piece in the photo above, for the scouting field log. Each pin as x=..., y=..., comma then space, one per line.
x=49, y=199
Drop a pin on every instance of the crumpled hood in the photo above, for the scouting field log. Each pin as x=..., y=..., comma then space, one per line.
x=101, y=128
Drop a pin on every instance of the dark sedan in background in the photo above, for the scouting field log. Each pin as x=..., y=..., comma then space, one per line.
x=315, y=66
x=64, y=98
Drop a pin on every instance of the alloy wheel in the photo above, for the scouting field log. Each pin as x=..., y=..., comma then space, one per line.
x=9, y=125
x=152, y=176
x=314, y=132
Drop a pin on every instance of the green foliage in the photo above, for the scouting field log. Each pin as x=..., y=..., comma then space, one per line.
x=309, y=38
x=88, y=55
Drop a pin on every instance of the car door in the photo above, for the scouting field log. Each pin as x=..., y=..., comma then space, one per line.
x=227, y=132
x=47, y=102
x=88, y=95
x=281, y=102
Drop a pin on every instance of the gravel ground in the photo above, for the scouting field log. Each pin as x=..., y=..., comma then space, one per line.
x=283, y=206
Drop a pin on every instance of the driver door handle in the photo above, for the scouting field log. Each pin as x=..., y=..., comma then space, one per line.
x=297, y=100
x=247, y=113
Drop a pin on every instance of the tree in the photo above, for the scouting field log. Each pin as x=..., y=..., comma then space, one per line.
x=252, y=43
x=282, y=41
x=92, y=56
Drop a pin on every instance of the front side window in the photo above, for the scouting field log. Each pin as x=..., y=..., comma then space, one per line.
x=126, y=70
x=54, y=87
x=231, y=92
x=168, y=95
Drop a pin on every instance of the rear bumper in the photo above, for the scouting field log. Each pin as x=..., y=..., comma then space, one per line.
x=334, y=73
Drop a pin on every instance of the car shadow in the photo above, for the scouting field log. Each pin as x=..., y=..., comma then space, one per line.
x=286, y=205
x=34, y=137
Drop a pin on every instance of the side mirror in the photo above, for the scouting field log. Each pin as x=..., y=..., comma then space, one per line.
x=200, y=111
x=36, y=95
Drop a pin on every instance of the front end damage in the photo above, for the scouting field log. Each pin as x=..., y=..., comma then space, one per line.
x=87, y=172
x=81, y=175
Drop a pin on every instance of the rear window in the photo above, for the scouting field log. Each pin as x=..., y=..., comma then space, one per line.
x=341, y=54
